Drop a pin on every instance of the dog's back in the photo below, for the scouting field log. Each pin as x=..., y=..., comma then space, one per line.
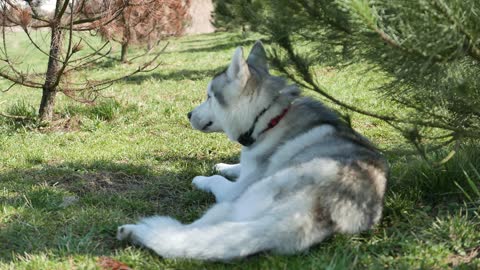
x=311, y=138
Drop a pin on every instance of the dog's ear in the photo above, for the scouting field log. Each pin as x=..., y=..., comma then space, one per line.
x=238, y=68
x=258, y=57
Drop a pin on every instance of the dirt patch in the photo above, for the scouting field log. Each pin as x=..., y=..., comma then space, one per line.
x=458, y=260
x=102, y=181
x=60, y=124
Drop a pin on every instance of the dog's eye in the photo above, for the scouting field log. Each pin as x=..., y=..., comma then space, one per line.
x=208, y=97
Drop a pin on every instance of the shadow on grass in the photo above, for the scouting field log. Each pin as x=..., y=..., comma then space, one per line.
x=75, y=208
x=212, y=37
x=433, y=182
x=38, y=220
x=222, y=46
x=109, y=62
x=178, y=75
x=186, y=74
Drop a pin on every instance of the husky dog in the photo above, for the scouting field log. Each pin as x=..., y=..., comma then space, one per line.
x=303, y=174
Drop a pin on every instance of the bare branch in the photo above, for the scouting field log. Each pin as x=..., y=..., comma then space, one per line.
x=95, y=51
x=35, y=44
x=4, y=42
x=59, y=15
x=100, y=17
x=16, y=117
x=10, y=87
x=20, y=80
x=147, y=52
x=146, y=67
x=91, y=61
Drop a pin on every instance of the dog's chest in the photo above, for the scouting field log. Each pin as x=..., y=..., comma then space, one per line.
x=251, y=166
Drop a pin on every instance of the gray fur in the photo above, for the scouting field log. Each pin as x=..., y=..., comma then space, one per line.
x=258, y=58
x=218, y=93
x=357, y=184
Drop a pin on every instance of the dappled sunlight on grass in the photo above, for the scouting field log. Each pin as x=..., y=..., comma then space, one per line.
x=66, y=187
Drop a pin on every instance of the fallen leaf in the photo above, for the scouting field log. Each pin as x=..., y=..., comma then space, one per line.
x=107, y=263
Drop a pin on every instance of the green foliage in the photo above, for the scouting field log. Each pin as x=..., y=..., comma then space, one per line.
x=429, y=52
x=472, y=177
x=22, y=108
x=106, y=110
x=238, y=14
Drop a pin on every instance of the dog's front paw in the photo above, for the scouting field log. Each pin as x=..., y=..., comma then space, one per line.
x=202, y=183
x=216, y=184
x=228, y=170
x=220, y=167
x=125, y=232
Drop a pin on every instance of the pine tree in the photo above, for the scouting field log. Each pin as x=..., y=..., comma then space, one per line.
x=238, y=14
x=65, y=24
x=430, y=49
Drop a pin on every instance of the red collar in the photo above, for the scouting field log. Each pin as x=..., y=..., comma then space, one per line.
x=275, y=120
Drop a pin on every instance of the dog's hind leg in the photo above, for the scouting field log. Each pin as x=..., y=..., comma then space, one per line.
x=228, y=240
x=222, y=241
x=215, y=214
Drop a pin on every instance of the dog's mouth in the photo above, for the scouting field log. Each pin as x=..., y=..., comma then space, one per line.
x=207, y=126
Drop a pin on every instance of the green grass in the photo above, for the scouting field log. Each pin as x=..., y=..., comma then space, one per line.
x=65, y=188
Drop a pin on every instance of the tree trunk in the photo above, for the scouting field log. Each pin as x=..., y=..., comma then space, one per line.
x=49, y=88
x=123, y=57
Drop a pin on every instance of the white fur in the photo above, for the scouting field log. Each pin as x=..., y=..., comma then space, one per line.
x=216, y=184
x=253, y=223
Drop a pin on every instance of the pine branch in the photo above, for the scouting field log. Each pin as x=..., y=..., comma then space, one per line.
x=414, y=52
x=35, y=14
x=98, y=18
x=471, y=48
x=306, y=75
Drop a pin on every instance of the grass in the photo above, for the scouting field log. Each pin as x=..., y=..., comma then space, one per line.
x=65, y=188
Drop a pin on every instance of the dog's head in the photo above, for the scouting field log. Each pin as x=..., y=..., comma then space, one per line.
x=232, y=97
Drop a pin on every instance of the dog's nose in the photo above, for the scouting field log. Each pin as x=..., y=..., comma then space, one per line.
x=189, y=115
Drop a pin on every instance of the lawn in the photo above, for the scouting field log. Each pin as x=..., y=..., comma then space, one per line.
x=65, y=188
